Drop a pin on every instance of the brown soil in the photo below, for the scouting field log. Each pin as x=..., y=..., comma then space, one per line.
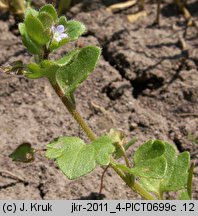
x=146, y=83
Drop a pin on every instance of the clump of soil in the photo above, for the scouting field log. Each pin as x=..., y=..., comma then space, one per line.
x=146, y=83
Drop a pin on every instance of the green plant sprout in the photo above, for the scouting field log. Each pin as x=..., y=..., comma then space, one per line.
x=155, y=167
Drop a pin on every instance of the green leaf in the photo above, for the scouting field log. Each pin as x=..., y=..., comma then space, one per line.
x=187, y=193
x=48, y=8
x=149, y=161
x=190, y=178
x=45, y=19
x=130, y=143
x=149, y=150
x=72, y=155
x=184, y=196
x=23, y=153
x=103, y=147
x=75, y=158
x=55, y=45
x=34, y=71
x=71, y=75
x=175, y=177
x=151, y=185
x=77, y=162
x=67, y=58
x=48, y=68
x=74, y=29
x=36, y=30
x=171, y=156
x=57, y=147
x=63, y=21
x=153, y=168
x=32, y=11
x=179, y=175
x=28, y=43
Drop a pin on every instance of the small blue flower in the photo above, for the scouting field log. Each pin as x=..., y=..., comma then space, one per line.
x=58, y=33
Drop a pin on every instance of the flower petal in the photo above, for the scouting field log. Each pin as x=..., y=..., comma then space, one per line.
x=63, y=35
x=60, y=29
x=58, y=39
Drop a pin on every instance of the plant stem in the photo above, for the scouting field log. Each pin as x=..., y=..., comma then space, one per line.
x=102, y=179
x=71, y=108
x=124, y=154
x=90, y=134
x=133, y=185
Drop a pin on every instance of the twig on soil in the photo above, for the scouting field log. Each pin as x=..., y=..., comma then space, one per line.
x=134, y=17
x=3, y=6
x=157, y=21
x=13, y=175
x=121, y=6
x=102, y=179
x=182, y=42
x=185, y=12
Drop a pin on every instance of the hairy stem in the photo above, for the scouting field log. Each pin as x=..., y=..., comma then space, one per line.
x=71, y=108
x=120, y=145
x=90, y=134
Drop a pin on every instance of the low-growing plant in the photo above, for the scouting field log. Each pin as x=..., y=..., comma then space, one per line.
x=155, y=168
